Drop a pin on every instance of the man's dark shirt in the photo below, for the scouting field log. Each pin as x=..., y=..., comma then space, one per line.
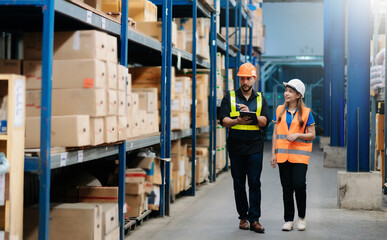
x=244, y=142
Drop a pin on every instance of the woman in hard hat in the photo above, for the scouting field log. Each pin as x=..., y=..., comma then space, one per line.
x=293, y=135
x=245, y=145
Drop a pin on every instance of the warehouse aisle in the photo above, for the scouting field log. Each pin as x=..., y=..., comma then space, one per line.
x=212, y=215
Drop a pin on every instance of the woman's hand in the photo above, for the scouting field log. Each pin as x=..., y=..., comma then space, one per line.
x=292, y=137
x=273, y=161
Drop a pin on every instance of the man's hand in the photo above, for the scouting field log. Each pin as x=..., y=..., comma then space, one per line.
x=243, y=107
x=244, y=120
x=292, y=137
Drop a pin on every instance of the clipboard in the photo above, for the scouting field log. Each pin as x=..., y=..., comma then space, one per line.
x=252, y=115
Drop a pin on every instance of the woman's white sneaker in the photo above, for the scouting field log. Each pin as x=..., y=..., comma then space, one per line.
x=288, y=226
x=301, y=225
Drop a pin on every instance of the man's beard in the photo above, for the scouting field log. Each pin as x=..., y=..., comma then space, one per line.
x=250, y=87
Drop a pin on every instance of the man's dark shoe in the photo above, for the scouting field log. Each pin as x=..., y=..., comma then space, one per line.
x=244, y=224
x=257, y=227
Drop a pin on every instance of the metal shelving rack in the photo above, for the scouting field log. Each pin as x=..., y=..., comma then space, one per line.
x=27, y=14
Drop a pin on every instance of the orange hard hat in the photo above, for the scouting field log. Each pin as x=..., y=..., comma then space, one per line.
x=247, y=70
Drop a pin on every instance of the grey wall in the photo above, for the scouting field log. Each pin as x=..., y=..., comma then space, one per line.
x=294, y=29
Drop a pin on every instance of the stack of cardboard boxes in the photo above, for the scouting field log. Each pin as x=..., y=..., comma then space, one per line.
x=181, y=104
x=180, y=166
x=139, y=10
x=75, y=221
x=88, y=96
x=220, y=147
x=201, y=163
x=202, y=93
x=143, y=185
x=184, y=37
x=220, y=81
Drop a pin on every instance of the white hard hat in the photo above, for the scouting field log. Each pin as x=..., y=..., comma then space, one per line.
x=296, y=84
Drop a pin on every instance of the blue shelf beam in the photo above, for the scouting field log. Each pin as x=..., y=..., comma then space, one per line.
x=337, y=64
x=358, y=106
x=193, y=112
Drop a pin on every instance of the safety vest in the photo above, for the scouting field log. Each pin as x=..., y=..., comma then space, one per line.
x=235, y=113
x=299, y=150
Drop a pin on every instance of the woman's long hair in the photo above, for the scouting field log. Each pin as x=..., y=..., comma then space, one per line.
x=300, y=105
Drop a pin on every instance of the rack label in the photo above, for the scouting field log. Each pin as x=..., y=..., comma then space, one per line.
x=19, y=102
x=103, y=23
x=80, y=156
x=89, y=16
x=63, y=159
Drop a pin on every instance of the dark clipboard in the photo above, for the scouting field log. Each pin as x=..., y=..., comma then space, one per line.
x=252, y=115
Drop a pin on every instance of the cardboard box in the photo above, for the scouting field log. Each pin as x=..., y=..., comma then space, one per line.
x=175, y=159
x=141, y=116
x=135, y=175
x=98, y=194
x=66, y=102
x=112, y=102
x=110, y=219
x=175, y=177
x=77, y=221
x=90, y=73
x=10, y=66
x=33, y=103
x=379, y=143
x=97, y=130
x=136, y=126
x=148, y=186
x=147, y=98
x=111, y=48
x=176, y=147
x=202, y=120
x=134, y=200
x=142, y=10
x=202, y=106
x=129, y=133
x=181, y=39
x=111, y=132
x=32, y=69
x=122, y=73
x=83, y=44
x=180, y=121
x=66, y=131
x=157, y=180
x=112, y=81
x=128, y=105
x=152, y=122
x=122, y=106
x=181, y=103
x=153, y=29
x=113, y=235
x=93, y=3
x=135, y=103
x=134, y=188
x=122, y=127
x=183, y=85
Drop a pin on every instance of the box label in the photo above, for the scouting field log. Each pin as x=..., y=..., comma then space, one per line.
x=88, y=82
x=19, y=102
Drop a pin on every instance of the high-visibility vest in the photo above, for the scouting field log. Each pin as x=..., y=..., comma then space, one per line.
x=235, y=113
x=299, y=150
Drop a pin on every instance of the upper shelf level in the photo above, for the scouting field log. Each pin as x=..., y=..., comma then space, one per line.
x=183, y=8
x=233, y=6
x=73, y=17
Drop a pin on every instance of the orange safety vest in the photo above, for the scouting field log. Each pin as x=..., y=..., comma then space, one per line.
x=299, y=150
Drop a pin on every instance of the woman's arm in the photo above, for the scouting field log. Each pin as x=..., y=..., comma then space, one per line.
x=273, y=160
x=305, y=136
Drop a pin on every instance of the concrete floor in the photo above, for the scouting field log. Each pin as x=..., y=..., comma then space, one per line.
x=212, y=214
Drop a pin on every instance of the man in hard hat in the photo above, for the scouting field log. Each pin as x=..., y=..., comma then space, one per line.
x=245, y=144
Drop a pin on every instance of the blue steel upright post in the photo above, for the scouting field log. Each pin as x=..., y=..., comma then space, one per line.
x=337, y=63
x=193, y=114
x=214, y=109
x=227, y=63
x=239, y=34
x=246, y=34
x=327, y=68
x=167, y=177
x=122, y=146
x=251, y=43
x=236, y=66
x=385, y=124
x=358, y=86
x=45, y=123
x=164, y=47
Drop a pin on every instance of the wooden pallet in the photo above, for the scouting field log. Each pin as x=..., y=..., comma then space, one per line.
x=12, y=144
